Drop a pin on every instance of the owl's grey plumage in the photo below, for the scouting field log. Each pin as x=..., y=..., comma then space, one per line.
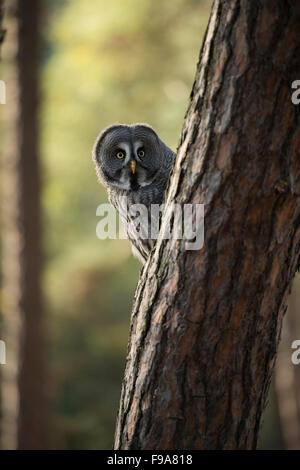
x=132, y=161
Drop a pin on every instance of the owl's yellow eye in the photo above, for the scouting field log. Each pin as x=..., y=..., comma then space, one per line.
x=120, y=154
x=141, y=153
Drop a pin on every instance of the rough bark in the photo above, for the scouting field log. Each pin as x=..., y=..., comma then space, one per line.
x=206, y=324
x=23, y=390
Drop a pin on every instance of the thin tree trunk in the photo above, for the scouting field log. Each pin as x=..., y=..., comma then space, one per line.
x=23, y=397
x=206, y=324
x=2, y=31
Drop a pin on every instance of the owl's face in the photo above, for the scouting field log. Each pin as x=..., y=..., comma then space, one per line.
x=128, y=157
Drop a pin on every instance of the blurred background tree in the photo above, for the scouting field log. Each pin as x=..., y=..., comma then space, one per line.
x=23, y=379
x=2, y=32
x=102, y=62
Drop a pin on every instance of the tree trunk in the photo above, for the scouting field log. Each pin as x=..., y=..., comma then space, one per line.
x=2, y=32
x=23, y=397
x=206, y=324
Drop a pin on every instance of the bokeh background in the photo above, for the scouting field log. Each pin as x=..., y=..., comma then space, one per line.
x=103, y=62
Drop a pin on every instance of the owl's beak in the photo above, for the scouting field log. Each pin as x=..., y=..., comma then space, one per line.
x=132, y=166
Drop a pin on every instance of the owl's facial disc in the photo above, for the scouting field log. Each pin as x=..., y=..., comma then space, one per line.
x=127, y=169
x=129, y=157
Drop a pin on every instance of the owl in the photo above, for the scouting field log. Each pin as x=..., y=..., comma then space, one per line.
x=134, y=166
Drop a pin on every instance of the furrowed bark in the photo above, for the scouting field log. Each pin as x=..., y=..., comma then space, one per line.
x=206, y=324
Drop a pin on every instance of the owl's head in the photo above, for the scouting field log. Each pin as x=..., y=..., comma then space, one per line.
x=128, y=156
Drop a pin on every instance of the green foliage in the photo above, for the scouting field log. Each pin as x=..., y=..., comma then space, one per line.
x=103, y=61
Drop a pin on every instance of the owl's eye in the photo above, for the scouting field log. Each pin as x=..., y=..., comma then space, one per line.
x=120, y=154
x=141, y=153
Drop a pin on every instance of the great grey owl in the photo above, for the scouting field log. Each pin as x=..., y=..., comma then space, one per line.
x=134, y=166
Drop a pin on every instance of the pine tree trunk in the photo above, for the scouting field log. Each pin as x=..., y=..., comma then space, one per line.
x=206, y=324
x=23, y=389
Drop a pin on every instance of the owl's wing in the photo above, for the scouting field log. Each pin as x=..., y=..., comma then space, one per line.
x=168, y=156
